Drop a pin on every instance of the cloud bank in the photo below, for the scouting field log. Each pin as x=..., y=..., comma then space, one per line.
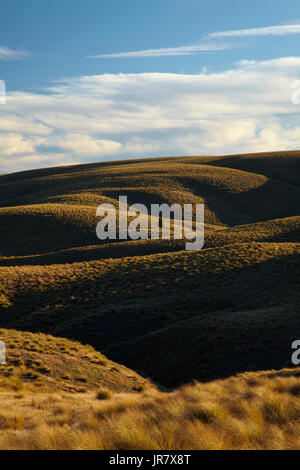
x=247, y=108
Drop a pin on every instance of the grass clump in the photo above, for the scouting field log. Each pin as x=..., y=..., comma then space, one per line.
x=104, y=394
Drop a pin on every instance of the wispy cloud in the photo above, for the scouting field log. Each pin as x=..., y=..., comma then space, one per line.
x=281, y=30
x=11, y=54
x=169, y=51
x=208, y=43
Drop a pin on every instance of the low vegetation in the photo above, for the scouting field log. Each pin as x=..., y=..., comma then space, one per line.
x=186, y=324
x=250, y=411
x=42, y=363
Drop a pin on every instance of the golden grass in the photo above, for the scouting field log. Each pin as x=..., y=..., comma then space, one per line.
x=250, y=411
x=39, y=362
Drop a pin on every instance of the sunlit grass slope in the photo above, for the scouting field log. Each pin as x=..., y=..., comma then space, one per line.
x=42, y=363
x=250, y=411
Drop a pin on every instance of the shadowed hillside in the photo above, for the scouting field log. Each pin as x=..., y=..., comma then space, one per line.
x=149, y=304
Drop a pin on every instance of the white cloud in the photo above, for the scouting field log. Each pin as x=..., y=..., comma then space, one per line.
x=25, y=125
x=281, y=30
x=11, y=54
x=208, y=43
x=83, y=144
x=90, y=118
x=12, y=144
x=163, y=52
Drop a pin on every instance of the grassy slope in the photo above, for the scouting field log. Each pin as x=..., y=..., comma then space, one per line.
x=123, y=295
x=250, y=411
x=113, y=301
x=170, y=314
x=42, y=363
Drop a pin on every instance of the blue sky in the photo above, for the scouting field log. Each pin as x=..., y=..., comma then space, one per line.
x=92, y=80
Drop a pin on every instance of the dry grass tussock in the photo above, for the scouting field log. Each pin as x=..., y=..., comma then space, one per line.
x=249, y=411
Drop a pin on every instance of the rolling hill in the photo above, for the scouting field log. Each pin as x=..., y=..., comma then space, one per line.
x=119, y=296
x=152, y=308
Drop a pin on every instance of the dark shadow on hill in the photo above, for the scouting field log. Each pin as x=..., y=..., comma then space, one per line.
x=271, y=200
x=239, y=327
x=283, y=166
x=213, y=346
x=113, y=249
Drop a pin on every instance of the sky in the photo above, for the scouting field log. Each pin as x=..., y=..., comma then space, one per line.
x=92, y=80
